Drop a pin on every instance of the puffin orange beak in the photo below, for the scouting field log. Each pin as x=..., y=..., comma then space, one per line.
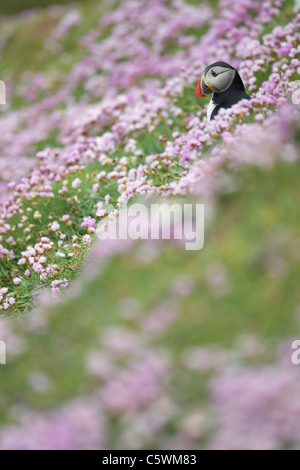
x=203, y=90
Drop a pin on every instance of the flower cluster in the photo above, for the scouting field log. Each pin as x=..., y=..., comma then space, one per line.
x=118, y=122
x=6, y=300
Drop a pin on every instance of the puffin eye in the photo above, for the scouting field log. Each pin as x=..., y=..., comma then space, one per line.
x=214, y=74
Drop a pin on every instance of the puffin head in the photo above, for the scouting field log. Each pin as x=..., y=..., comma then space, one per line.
x=217, y=78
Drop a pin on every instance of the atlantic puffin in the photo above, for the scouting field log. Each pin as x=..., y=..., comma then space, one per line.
x=225, y=84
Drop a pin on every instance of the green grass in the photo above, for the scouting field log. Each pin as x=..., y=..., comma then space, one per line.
x=9, y=7
x=253, y=225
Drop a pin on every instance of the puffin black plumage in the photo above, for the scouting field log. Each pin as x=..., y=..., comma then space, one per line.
x=225, y=84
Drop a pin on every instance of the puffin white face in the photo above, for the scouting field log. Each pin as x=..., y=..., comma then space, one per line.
x=216, y=79
x=219, y=77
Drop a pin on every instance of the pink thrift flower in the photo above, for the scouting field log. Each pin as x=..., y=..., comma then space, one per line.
x=259, y=117
x=88, y=222
x=38, y=268
x=285, y=50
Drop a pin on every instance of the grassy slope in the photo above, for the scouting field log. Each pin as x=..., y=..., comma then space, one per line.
x=28, y=43
x=253, y=225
